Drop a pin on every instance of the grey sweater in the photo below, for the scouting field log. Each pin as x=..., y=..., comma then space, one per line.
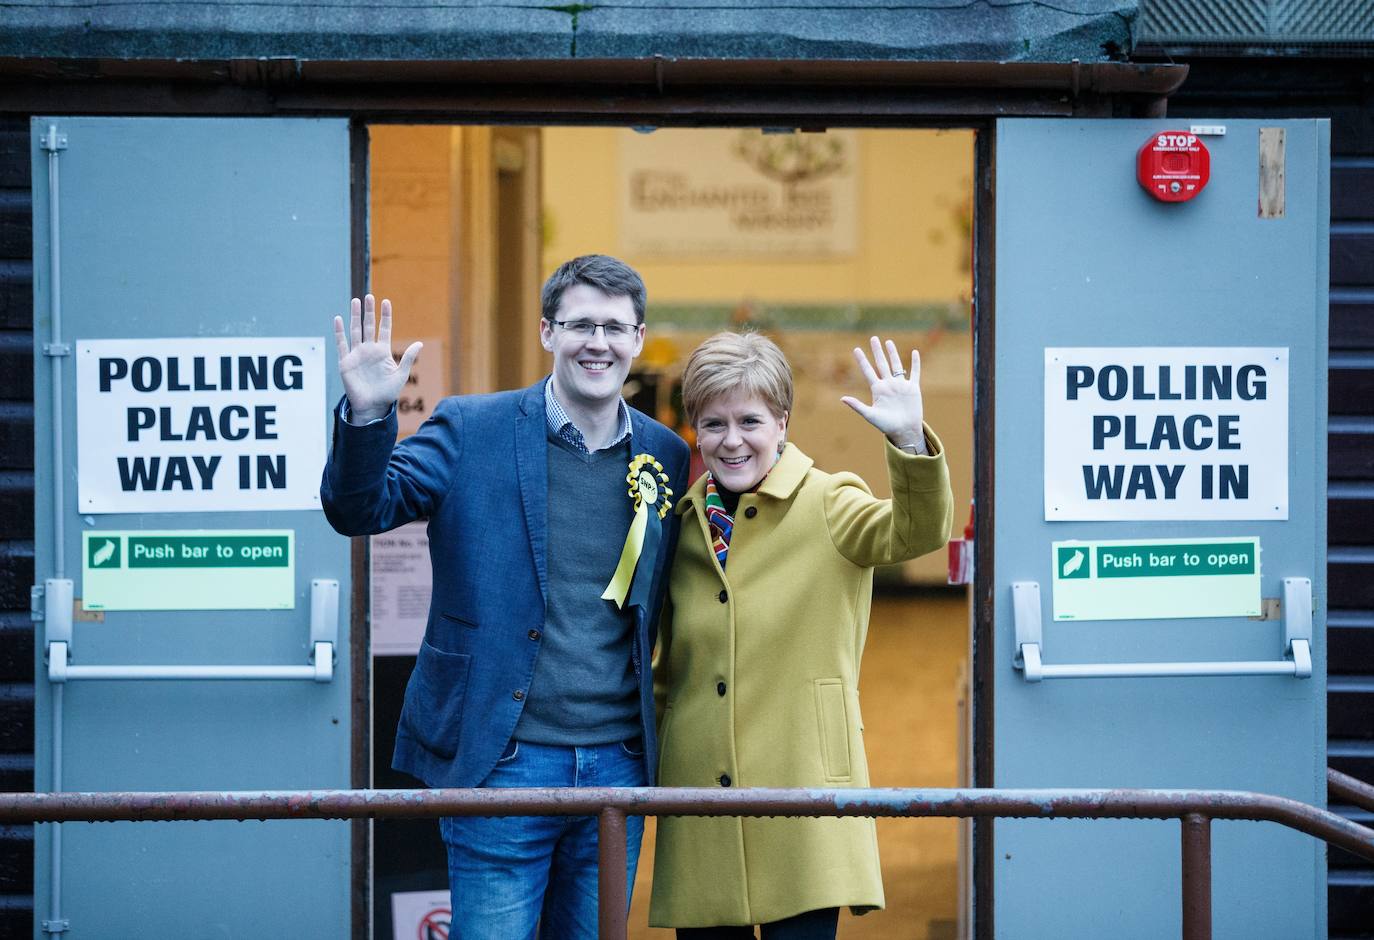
x=584, y=690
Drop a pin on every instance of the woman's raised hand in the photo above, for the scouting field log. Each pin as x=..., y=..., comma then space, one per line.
x=897, y=409
x=372, y=379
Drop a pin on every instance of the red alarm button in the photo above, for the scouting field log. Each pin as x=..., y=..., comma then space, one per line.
x=1173, y=166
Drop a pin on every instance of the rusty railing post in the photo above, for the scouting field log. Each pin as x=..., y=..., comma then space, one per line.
x=1197, y=876
x=611, y=862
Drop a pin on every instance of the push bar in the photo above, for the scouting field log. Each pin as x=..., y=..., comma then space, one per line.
x=1297, y=634
x=324, y=631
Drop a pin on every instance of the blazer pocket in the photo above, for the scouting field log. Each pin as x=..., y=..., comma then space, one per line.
x=833, y=724
x=433, y=709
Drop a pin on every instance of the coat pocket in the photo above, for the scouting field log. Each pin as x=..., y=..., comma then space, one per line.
x=833, y=724
x=433, y=709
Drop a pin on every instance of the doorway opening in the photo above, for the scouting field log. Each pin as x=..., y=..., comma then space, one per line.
x=817, y=239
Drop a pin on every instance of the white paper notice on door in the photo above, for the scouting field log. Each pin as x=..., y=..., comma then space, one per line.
x=401, y=580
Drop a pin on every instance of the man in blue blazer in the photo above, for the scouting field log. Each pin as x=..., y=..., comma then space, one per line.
x=534, y=669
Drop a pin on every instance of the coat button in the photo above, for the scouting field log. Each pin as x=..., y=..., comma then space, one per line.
x=535, y=634
x=723, y=597
x=751, y=512
x=720, y=688
x=725, y=780
x=518, y=695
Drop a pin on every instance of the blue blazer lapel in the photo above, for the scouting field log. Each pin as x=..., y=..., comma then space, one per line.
x=532, y=468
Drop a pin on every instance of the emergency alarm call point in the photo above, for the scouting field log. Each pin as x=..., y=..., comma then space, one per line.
x=1173, y=166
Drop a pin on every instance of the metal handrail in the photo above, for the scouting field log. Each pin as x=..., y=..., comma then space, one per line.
x=1350, y=789
x=1194, y=808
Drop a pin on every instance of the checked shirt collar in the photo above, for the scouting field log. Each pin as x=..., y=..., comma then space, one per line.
x=561, y=425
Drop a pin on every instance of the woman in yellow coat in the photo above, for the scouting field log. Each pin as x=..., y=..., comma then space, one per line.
x=757, y=667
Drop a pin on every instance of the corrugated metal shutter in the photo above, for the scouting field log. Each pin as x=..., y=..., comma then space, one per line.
x=1350, y=568
x=16, y=518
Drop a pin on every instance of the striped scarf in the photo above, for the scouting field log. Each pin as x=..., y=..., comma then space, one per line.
x=720, y=521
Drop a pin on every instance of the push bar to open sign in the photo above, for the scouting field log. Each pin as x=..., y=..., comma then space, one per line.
x=1297, y=635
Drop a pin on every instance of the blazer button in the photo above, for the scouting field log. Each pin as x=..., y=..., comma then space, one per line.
x=518, y=695
x=535, y=634
x=725, y=780
x=751, y=512
x=723, y=597
x=720, y=688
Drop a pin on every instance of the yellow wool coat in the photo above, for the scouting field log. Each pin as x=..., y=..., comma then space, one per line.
x=757, y=680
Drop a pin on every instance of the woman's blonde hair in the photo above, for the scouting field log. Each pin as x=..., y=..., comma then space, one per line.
x=726, y=363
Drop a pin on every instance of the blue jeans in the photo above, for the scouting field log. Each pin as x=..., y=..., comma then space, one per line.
x=522, y=877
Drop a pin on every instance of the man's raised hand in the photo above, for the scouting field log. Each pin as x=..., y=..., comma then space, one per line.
x=372, y=379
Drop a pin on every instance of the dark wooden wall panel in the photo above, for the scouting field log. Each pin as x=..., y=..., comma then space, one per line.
x=16, y=437
x=1351, y=251
x=1349, y=701
x=16, y=294
x=1352, y=319
x=16, y=518
x=1352, y=189
x=1351, y=638
x=1350, y=580
x=14, y=153
x=1350, y=385
x=1350, y=454
x=1349, y=516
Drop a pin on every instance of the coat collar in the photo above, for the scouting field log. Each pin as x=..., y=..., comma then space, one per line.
x=782, y=481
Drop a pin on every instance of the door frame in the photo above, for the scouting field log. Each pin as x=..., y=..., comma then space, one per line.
x=981, y=595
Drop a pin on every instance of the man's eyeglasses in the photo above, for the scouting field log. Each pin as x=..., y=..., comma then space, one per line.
x=586, y=329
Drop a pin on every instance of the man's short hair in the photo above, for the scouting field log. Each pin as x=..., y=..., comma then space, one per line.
x=725, y=363
x=611, y=276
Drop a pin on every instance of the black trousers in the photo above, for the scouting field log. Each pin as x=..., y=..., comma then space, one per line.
x=812, y=925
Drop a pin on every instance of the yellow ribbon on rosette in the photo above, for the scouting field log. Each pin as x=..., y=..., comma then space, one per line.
x=651, y=494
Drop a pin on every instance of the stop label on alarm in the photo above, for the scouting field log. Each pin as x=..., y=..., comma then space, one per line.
x=1173, y=166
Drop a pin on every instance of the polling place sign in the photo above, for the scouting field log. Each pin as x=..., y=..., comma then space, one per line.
x=199, y=425
x=1168, y=433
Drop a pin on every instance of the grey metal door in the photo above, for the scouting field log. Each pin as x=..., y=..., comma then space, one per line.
x=1160, y=413
x=190, y=634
